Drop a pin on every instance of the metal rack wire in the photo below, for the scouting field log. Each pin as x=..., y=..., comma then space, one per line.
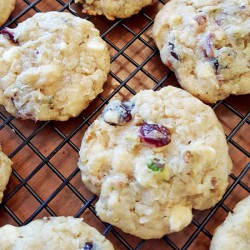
x=41, y=158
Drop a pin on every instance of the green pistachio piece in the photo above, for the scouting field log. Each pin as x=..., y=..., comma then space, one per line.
x=156, y=164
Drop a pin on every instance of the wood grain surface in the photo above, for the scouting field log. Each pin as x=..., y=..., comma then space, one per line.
x=45, y=163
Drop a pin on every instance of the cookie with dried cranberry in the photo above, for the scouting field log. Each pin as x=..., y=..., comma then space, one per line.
x=5, y=172
x=114, y=8
x=53, y=233
x=6, y=7
x=207, y=45
x=154, y=158
x=234, y=232
x=51, y=66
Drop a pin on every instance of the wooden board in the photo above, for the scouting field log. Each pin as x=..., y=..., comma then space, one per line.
x=45, y=179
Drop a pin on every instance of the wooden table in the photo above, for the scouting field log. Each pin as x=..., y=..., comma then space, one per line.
x=45, y=179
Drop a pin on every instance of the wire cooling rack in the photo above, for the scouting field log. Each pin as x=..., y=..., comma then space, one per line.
x=46, y=181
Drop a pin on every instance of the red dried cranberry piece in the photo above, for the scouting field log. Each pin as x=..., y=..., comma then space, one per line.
x=200, y=19
x=127, y=107
x=117, y=113
x=154, y=134
x=209, y=53
x=209, y=50
x=172, y=51
x=216, y=64
x=88, y=246
x=9, y=35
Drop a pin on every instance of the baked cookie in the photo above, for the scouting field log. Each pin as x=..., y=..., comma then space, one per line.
x=114, y=8
x=53, y=233
x=51, y=66
x=207, y=45
x=154, y=158
x=5, y=172
x=6, y=7
x=234, y=232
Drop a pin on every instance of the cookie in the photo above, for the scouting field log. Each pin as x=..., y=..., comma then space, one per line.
x=154, y=158
x=5, y=172
x=234, y=232
x=207, y=45
x=53, y=233
x=114, y=8
x=6, y=7
x=51, y=66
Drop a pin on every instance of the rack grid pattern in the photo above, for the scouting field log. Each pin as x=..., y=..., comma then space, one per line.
x=135, y=65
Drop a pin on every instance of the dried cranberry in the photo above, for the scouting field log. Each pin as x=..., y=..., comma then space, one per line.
x=128, y=105
x=216, y=64
x=218, y=21
x=214, y=61
x=154, y=134
x=88, y=246
x=209, y=52
x=9, y=35
x=117, y=113
x=200, y=19
x=172, y=52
